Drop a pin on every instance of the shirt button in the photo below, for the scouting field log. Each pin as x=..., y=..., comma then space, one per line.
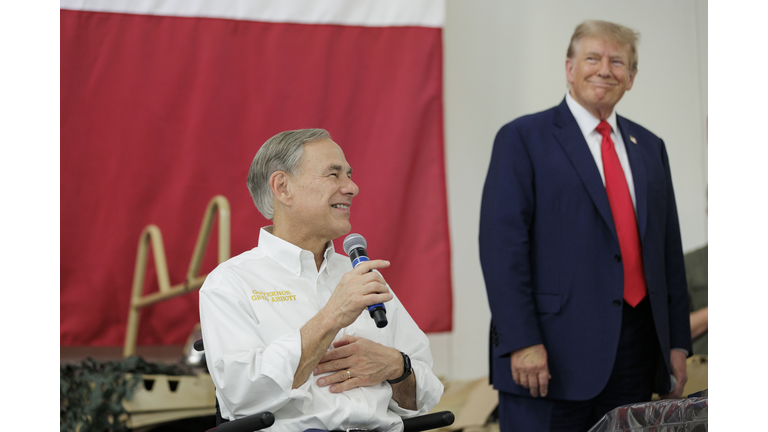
x=617, y=303
x=359, y=400
x=617, y=258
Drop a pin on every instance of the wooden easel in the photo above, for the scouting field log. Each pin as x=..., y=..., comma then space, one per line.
x=151, y=236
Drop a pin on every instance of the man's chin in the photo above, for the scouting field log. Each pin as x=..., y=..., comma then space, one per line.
x=602, y=102
x=343, y=231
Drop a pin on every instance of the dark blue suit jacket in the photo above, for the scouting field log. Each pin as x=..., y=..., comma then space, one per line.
x=550, y=255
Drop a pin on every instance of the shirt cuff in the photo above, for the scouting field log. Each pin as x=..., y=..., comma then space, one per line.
x=428, y=391
x=682, y=350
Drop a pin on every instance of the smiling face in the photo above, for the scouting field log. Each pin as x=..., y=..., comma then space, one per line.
x=599, y=74
x=322, y=193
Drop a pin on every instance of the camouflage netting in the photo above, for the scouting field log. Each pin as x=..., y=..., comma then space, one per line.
x=92, y=391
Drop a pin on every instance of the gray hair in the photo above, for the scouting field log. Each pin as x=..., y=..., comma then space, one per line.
x=282, y=152
x=614, y=32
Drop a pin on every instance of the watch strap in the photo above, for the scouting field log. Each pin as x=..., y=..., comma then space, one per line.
x=407, y=369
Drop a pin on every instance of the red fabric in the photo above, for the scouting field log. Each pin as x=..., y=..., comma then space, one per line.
x=624, y=218
x=159, y=114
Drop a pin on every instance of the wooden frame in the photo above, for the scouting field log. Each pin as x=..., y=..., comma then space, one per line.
x=151, y=236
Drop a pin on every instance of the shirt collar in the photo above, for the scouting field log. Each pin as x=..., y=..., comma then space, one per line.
x=586, y=121
x=288, y=254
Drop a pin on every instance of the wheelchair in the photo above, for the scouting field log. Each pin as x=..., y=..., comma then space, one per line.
x=266, y=419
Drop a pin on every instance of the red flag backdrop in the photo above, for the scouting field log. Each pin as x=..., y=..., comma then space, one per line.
x=161, y=113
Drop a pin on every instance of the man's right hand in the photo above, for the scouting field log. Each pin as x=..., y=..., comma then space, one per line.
x=357, y=290
x=530, y=369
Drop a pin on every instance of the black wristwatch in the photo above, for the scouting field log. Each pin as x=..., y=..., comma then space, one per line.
x=406, y=366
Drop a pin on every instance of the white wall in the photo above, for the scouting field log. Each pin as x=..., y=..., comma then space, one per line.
x=506, y=58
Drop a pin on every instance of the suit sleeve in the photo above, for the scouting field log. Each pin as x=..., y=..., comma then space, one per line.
x=677, y=287
x=506, y=215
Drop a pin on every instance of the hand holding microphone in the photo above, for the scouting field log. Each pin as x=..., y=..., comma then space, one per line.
x=359, y=288
x=354, y=246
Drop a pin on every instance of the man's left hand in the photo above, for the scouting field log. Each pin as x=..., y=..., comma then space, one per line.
x=368, y=363
x=678, y=365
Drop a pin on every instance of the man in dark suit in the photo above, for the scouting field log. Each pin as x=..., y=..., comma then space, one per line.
x=581, y=252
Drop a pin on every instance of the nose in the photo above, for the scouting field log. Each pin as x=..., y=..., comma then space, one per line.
x=604, y=67
x=349, y=188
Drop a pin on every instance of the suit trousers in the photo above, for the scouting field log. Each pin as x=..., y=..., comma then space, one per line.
x=631, y=381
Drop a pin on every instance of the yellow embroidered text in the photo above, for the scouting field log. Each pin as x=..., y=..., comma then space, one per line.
x=273, y=296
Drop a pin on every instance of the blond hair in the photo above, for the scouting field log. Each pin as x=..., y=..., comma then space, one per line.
x=614, y=32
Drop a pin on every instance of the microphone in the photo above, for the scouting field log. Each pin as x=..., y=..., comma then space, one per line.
x=354, y=246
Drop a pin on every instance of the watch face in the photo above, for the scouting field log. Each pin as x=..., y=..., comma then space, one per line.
x=407, y=364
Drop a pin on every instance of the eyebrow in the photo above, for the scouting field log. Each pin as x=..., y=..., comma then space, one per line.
x=338, y=168
x=611, y=56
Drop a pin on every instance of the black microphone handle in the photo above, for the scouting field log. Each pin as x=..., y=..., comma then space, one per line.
x=379, y=315
x=378, y=311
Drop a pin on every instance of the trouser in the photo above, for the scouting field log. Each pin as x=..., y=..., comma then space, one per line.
x=631, y=381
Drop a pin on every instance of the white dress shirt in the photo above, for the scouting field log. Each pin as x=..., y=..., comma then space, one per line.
x=587, y=123
x=252, y=308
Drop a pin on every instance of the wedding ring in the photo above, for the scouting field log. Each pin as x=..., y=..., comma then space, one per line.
x=349, y=374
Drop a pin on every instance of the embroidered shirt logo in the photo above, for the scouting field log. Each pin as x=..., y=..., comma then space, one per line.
x=273, y=296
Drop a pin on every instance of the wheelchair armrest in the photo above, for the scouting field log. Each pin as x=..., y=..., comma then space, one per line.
x=266, y=419
x=428, y=421
x=246, y=424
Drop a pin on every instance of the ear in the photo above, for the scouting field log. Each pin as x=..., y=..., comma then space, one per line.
x=631, y=80
x=569, y=75
x=280, y=186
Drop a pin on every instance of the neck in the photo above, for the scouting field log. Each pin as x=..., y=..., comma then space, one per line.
x=315, y=245
x=601, y=114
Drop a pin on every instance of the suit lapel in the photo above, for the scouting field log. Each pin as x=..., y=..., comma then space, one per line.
x=634, y=153
x=570, y=138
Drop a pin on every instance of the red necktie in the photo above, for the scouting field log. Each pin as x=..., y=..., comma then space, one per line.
x=624, y=218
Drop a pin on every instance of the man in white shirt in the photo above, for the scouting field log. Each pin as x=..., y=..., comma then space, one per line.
x=581, y=251
x=285, y=324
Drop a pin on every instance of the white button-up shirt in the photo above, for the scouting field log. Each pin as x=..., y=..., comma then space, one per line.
x=588, y=124
x=252, y=308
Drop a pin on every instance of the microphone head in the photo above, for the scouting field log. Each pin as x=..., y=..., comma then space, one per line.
x=354, y=241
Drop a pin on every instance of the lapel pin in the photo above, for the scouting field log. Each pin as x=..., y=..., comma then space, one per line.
x=631, y=138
